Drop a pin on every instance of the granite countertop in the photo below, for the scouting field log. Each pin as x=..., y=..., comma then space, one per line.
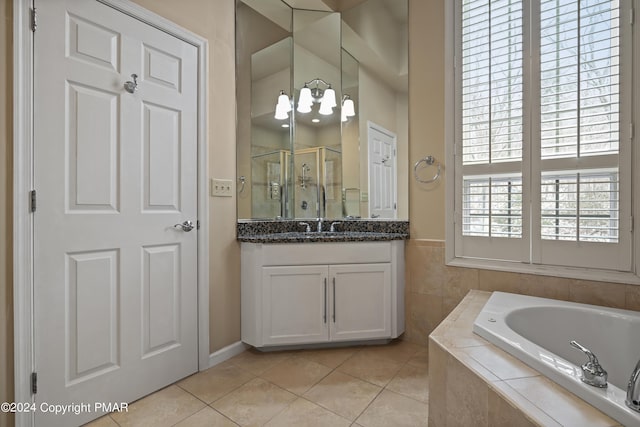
x=301, y=237
x=290, y=231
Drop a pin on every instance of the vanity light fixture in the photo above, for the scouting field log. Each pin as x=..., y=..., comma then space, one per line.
x=309, y=95
x=325, y=96
x=315, y=120
x=283, y=106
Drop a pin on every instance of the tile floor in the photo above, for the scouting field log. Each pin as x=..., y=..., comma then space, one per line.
x=366, y=386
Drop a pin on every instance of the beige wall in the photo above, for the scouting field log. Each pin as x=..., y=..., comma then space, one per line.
x=426, y=113
x=6, y=194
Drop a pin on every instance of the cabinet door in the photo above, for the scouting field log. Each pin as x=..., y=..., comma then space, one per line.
x=294, y=305
x=360, y=303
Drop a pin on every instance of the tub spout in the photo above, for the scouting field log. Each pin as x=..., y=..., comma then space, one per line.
x=592, y=372
x=633, y=389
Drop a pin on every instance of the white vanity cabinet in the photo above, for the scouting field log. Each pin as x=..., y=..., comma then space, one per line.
x=310, y=293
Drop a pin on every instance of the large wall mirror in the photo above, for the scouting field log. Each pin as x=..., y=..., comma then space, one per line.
x=322, y=109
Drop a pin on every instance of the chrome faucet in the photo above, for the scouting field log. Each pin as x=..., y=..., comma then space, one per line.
x=305, y=224
x=633, y=389
x=592, y=372
x=332, y=229
x=320, y=220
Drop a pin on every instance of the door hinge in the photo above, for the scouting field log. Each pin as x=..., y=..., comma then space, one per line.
x=198, y=225
x=631, y=130
x=32, y=200
x=395, y=206
x=631, y=224
x=631, y=13
x=34, y=382
x=34, y=19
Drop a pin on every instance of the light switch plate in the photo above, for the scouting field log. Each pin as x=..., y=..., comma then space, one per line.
x=221, y=187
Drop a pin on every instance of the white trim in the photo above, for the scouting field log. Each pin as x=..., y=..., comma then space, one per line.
x=630, y=204
x=547, y=270
x=23, y=181
x=227, y=353
x=449, y=129
x=22, y=218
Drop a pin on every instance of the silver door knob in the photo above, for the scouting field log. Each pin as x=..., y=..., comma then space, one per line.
x=185, y=226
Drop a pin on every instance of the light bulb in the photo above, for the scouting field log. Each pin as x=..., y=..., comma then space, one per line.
x=303, y=108
x=305, y=97
x=330, y=98
x=281, y=112
x=284, y=102
x=325, y=108
x=348, y=108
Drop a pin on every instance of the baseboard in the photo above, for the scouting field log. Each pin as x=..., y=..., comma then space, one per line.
x=227, y=353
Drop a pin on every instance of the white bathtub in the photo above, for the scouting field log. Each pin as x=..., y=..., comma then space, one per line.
x=538, y=331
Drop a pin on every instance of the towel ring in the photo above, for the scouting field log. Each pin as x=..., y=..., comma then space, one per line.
x=428, y=161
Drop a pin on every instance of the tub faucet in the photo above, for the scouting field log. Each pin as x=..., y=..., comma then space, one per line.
x=320, y=220
x=592, y=372
x=633, y=389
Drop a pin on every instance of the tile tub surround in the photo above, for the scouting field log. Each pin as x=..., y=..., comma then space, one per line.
x=473, y=382
x=290, y=231
x=433, y=289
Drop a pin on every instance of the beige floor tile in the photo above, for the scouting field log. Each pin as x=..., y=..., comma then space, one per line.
x=163, y=408
x=331, y=357
x=371, y=367
x=105, y=421
x=397, y=350
x=254, y=403
x=216, y=382
x=392, y=409
x=343, y=394
x=257, y=362
x=307, y=414
x=412, y=381
x=207, y=417
x=420, y=359
x=297, y=374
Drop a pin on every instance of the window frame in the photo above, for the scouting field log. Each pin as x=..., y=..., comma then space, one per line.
x=532, y=255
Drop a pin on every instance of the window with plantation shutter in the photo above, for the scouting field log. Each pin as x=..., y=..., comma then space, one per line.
x=542, y=158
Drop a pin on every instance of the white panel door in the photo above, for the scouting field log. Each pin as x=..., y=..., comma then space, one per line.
x=360, y=301
x=295, y=304
x=115, y=281
x=382, y=173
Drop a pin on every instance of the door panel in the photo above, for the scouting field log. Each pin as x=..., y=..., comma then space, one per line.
x=295, y=305
x=92, y=290
x=115, y=284
x=361, y=295
x=161, y=295
x=93, y=146
x=162, y=145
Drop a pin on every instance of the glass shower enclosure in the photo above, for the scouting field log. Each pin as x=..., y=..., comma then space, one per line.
x=316, y=181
